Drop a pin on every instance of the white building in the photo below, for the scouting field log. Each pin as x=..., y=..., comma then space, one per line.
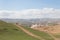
x=35, y=26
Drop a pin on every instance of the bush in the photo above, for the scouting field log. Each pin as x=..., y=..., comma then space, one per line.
x=5, y=29
x=16, y=29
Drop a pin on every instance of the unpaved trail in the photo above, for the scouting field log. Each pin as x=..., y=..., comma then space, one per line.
x=29, y=33
x=53, y=36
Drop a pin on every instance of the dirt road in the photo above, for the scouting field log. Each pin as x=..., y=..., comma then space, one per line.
x=29, y=33
x=53, y=36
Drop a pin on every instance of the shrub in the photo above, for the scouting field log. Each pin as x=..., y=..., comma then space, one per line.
x=16, y=29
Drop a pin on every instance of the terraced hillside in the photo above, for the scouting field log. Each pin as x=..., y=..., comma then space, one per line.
x=11, y=32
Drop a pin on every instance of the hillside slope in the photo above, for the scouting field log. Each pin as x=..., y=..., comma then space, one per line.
x=11, y=32
x=42, y=34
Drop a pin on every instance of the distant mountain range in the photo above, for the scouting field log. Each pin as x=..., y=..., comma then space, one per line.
x=29, y=22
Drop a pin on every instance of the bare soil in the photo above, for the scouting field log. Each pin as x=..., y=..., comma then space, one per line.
x=50, y=30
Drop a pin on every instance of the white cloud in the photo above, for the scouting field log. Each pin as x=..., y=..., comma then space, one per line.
x=31, y=13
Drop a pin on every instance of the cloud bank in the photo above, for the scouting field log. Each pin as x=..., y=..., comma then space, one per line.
x=31, y=13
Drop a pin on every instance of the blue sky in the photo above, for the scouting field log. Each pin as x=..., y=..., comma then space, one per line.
x=29, y=8
x=28, y=4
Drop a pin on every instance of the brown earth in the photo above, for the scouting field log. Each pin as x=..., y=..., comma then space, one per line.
x=51, y=29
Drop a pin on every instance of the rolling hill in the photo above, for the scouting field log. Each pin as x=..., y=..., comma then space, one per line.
x=11, y=32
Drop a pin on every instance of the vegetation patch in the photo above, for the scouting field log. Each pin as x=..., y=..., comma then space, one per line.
x=10, y=32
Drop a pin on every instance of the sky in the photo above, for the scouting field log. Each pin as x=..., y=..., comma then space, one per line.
x=27, y=9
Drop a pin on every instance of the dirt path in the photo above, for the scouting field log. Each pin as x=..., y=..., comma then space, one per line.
x=53, y=36
x=29, y=33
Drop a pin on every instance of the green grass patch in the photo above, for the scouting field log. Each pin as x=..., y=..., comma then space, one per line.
x=11, y=32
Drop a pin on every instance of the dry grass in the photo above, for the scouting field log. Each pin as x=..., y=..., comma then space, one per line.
x=50, y=29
